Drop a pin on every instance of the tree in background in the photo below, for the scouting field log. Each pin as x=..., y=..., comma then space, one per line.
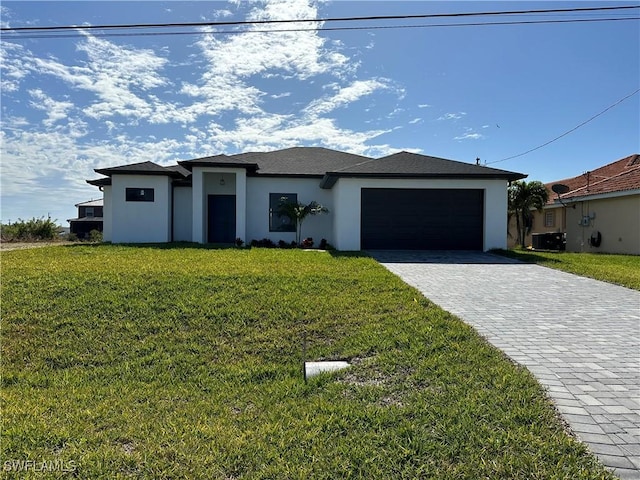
x=298, y=212
x=30, y=230
x=524, y=197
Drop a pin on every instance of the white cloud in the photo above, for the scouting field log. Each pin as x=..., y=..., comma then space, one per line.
x=415, y=120
x=55, y=110
x=469, y=136
x=346, y=96
x=119, y=77
x=12, y=66
x=452, y=116
x=115, y=103
x=424, y=105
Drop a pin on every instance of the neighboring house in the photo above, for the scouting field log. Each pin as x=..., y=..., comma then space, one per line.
x=90, y=217
x=402, y=201
x=599, y=213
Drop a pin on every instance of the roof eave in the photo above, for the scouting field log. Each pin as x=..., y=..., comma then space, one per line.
x=189, y=164
x=100, y=182
x=600, y=196
x=331, y=178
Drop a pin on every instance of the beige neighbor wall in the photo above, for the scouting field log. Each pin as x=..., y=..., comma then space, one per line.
x=557, y=225
x=617, y=219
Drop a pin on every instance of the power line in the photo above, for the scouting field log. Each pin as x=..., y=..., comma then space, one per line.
x=568, y=131
x=317, y=20
x=322, y=29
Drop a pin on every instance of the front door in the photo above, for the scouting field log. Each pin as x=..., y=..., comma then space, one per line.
x=221, y=218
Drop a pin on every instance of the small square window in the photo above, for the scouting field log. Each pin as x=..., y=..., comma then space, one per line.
x=550, y=219
x=139, y=194
x=88, y=212
x=277, y=222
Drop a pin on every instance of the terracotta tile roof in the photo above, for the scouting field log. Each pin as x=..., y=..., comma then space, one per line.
x=618, y=176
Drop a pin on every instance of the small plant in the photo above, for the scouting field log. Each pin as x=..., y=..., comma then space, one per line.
x=283, y=244
x=239, y=242
x=323, y=244
x=264, y=243
x=95, y=236
x=298, y=212
x=307, y=243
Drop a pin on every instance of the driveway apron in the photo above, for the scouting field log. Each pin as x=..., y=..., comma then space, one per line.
x=579, y=337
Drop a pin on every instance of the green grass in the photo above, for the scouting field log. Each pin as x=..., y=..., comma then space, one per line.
x=138, y=362
x=619, y=269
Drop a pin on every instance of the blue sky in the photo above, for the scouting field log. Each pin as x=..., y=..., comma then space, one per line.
x=70, y=105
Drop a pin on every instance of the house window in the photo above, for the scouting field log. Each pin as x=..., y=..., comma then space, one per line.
x=88, y=212
x=281, y=223
x=550, y=219
x=139, y=194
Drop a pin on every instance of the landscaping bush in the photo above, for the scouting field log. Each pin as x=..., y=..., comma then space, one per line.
x=307, y=243
x=95, y=236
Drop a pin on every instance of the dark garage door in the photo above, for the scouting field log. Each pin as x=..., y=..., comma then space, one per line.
x=419, y=219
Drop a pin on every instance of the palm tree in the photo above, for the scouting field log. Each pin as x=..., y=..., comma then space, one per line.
x=297, y=212
x=523, y=198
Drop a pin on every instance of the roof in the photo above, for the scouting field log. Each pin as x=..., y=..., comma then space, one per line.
x=143, y=168
x=217, y=161
x=91, y=203
x=413, y=165
x=100, y=182
x=307, y=161
x=619, y=176
x=86, y=219
x=329, y=165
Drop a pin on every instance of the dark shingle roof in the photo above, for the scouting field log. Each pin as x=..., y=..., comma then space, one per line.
x=100, y=182
x=406, y=164
x=307, y=161
x=318, y=162
x=142, y=168
x=217, y=161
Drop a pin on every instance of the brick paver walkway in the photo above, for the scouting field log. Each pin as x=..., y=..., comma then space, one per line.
x=579, y=337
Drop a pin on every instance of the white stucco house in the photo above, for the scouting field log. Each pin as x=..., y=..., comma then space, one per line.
x=401, y=201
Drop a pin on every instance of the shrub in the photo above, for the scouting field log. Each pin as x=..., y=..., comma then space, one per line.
x=323, y=244
x=307, y=243
x=239, y=242
x=95, y=236
x=264, y=243
x=29, y=230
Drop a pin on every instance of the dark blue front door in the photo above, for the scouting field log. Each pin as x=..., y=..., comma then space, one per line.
x=221, y=218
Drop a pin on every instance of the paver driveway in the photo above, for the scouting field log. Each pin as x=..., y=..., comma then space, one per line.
x=579, y=337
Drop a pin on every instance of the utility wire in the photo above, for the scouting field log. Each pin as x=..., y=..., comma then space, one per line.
x=317, y=20
x=319, y=29
x=568, y=131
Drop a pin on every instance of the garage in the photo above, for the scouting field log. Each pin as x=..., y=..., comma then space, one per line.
x=422, y=219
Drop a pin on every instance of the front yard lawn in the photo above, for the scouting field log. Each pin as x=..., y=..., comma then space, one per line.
x=619, y=269
x=143, y=362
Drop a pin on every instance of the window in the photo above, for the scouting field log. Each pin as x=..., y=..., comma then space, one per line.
x=550, y=219
x=281, y=223
x=139, y=194
x=88, y=212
